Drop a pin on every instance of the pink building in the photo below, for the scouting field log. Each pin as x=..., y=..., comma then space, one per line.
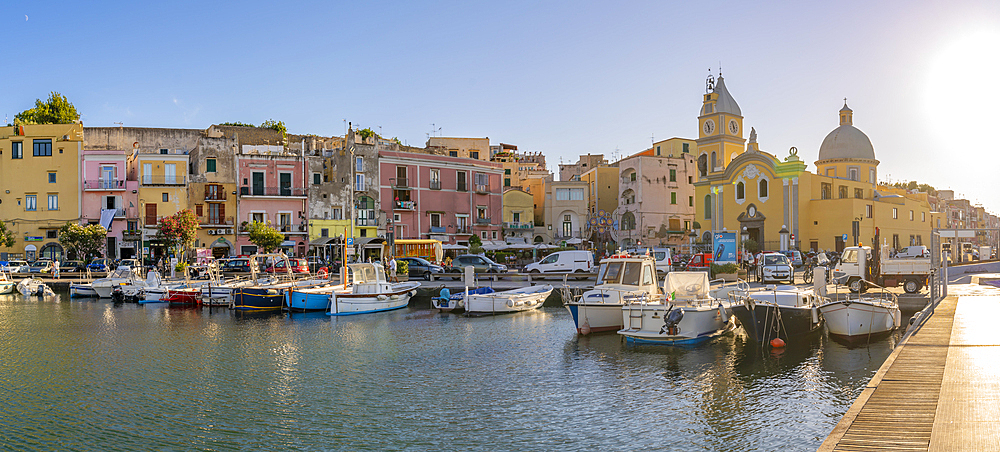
x=106, y=189
x=441, y=197
x=272, y=190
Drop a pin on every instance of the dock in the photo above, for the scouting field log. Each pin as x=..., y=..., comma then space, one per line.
x=939, y=390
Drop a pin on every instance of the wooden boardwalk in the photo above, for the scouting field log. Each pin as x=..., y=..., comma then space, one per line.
x=939, y=390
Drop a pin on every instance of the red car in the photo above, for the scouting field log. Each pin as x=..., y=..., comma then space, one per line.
x=298, y=266
x=700, y=261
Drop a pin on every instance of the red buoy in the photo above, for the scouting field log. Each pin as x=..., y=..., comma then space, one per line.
x=777, y=342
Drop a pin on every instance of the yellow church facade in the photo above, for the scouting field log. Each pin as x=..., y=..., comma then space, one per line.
x=762, y=197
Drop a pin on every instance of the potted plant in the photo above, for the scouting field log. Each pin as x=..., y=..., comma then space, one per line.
x=726, y=272
x=402, y=270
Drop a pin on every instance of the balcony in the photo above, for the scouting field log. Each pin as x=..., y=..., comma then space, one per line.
x=518, y=225
x=272, y=191
x=463, y=229
x=215, y=195
x=164, y=180
x=215, y=221
x=482, y=188
x=401, y=183
x=104, y=184
x=366, y=222
x=437, y=230
x=405, y=205
x=482, y=221
x=435, y=185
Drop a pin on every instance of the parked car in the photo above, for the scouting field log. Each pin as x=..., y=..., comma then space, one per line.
x=795, y=257
x=128, y=263
x=316, y=263
x=420, y=267
x=699, y=262
x=102, y=265
x=42, y=266
x=776, y=267
x=16, y=266
x=71, y=266
x=237, y=265
x=664, y=261
x=563, y=262
x=297, y=264
x=920, y=251
x=482, y=264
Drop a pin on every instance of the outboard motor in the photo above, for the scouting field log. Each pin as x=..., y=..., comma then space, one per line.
x=40, y=290
x=117, y=296
x=444, y=297
x=670, y=321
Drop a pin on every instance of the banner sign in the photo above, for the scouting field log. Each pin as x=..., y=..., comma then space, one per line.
x=724, y=244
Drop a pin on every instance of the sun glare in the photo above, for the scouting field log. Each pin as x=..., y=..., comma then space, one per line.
x=961, y=95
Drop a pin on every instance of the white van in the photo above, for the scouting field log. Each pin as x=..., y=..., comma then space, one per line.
x=563, y=262
x=913, y=251
x=663, y=257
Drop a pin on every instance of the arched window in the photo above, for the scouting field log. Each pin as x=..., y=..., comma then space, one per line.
x=628, y=196
x=714, y=163
x=762, y=193
x=628, y=221
x=708, y=206
x=740, y=191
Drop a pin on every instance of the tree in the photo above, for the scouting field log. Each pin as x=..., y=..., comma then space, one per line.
x=276, y=125
x=237, y=124
x=6, y=236
x=83, y=242
x=56, y=110
x=179, y=229
x=475, y=244
x=264, y=236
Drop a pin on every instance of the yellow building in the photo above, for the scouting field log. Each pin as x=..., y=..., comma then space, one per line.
x=163, y=191
x=518, y=214
x=602, y=186
x=760, y=196
x=40, y=170
x=472, y=148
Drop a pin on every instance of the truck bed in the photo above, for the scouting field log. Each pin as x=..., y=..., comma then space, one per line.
x=906, y=266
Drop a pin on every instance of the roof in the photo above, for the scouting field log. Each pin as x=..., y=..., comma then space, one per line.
x=846, y=142
x=725, y=102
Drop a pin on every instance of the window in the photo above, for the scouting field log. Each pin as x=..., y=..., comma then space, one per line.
x=506, y=182
x=740, y=191
x=52, y=178
x=517, y=217
x=482, y=179
x=657, y=150
x=852, y=173
x=16, y=151
x=687, y=225
x=484, y=234
x=631, y=176
x=708, y=207
x=166, y=197
x=673, y=175
x=53, y=202
x=842, y=191
x=868, y=211
x=690, y=202
x=569, y=194
x=42, y=148
x=507, y=171
x=895, y=241
x=895, y=213
x=871, y=176
x=762, y=190
x=714, y=163
x=324, y=232
x=164, y=151
x=337, y=213
x=824, y=191
x=859, y=193
x=30, y=202
x=51, y=234
x=452, y=153
x=209, y=165
x=461, y=183
x=494, y=235
x=435, y=175
x=474, y=155
x=673, y=197
x=685, y=147
x=690, y=179
x=923, y=216
x=359, y=182
x=435, y=220
x=481, y=212
x=316, y=179
x=911, y=215
x=359, y=164
x=198, y=209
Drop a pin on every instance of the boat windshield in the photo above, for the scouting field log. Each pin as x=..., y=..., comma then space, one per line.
x=611, y=272
x=633, y=270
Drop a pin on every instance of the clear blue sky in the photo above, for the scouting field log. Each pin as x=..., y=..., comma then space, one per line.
x=565, y=78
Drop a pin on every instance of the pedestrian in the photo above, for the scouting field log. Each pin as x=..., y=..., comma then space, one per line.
x=55, y=269
x=392, y=270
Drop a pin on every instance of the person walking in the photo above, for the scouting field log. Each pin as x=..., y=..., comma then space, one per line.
x=392, y=270
x=55, y=269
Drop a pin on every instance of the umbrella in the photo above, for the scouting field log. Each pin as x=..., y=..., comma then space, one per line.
x=454, y=246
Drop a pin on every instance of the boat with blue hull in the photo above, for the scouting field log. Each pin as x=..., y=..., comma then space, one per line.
x=686, y=315
x=370, y=292
x=311, y=298
x=270, y=296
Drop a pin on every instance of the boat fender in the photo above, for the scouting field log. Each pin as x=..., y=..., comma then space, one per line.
x=723, y=314
x=382, y=297
x=510, y=303
x=890, y=322
x=896, y=317
x=777, y=342
x=815, y=314
x=585, y=328
x=413, y=293
x=394, y=297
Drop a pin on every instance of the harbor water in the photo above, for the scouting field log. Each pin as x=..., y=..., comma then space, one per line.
x=93, y=375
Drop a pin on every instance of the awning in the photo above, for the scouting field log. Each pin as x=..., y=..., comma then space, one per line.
x=369, y=242
x=574, y=241
x=30, y=248
x=320, y=241
x=494, y=245
x=106, y=216
x=454, y=246
x=287, y=244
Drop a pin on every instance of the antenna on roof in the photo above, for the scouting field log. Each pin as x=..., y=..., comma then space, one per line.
x=434, y=130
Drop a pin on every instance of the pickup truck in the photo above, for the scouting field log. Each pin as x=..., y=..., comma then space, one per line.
x=700, y=261
x=860, y=264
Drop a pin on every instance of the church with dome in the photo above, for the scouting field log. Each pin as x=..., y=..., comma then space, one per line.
x=779, y=204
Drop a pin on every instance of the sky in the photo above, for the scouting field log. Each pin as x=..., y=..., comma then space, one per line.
x=564, y=78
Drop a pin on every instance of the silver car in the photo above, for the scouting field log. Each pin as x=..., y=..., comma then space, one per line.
x=18, y=266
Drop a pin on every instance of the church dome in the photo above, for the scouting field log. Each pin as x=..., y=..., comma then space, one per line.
x=725, y=102
x=846, y=141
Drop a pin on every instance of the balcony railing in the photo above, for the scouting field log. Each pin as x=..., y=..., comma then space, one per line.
x=215, y=195
x=401, y=182
x=482, y=221
x=104, y=184
x=518, y=225
x=406, y=205
x=291, y=227
x=366, y=221
x=435, y=185
x=482, y=188
x=215, y=221
x=463, y=229
x=437, y=229
x=164, y=180
x=272, y=191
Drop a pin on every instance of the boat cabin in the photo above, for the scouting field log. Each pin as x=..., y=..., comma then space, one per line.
x=368, y=279
x=786, y=296
x=628, y=273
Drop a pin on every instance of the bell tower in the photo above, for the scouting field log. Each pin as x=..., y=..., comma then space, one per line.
x=720, y=126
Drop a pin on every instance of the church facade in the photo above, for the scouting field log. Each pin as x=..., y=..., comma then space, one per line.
x=741, y=188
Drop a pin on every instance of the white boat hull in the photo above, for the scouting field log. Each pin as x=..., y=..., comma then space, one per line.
x=81, y=290
x=596, y=317
x=6, y=287
x=859, y=318
x=32, y=286
x=340, y=305
x=644, y=324
x=523, y=299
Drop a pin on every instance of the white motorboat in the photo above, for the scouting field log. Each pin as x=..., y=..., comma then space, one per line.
x=521, y=299
x=6, y=284
x=777, y=312
x=134, y=290
x=81, y=290
x=34, y=286
x=122, y=275
x=622, y=279
x=861, y=317
x=455, y=302
x=687, y=315
x=370, y=292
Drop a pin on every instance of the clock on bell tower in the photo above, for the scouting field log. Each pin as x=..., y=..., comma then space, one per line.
x=721, y=124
